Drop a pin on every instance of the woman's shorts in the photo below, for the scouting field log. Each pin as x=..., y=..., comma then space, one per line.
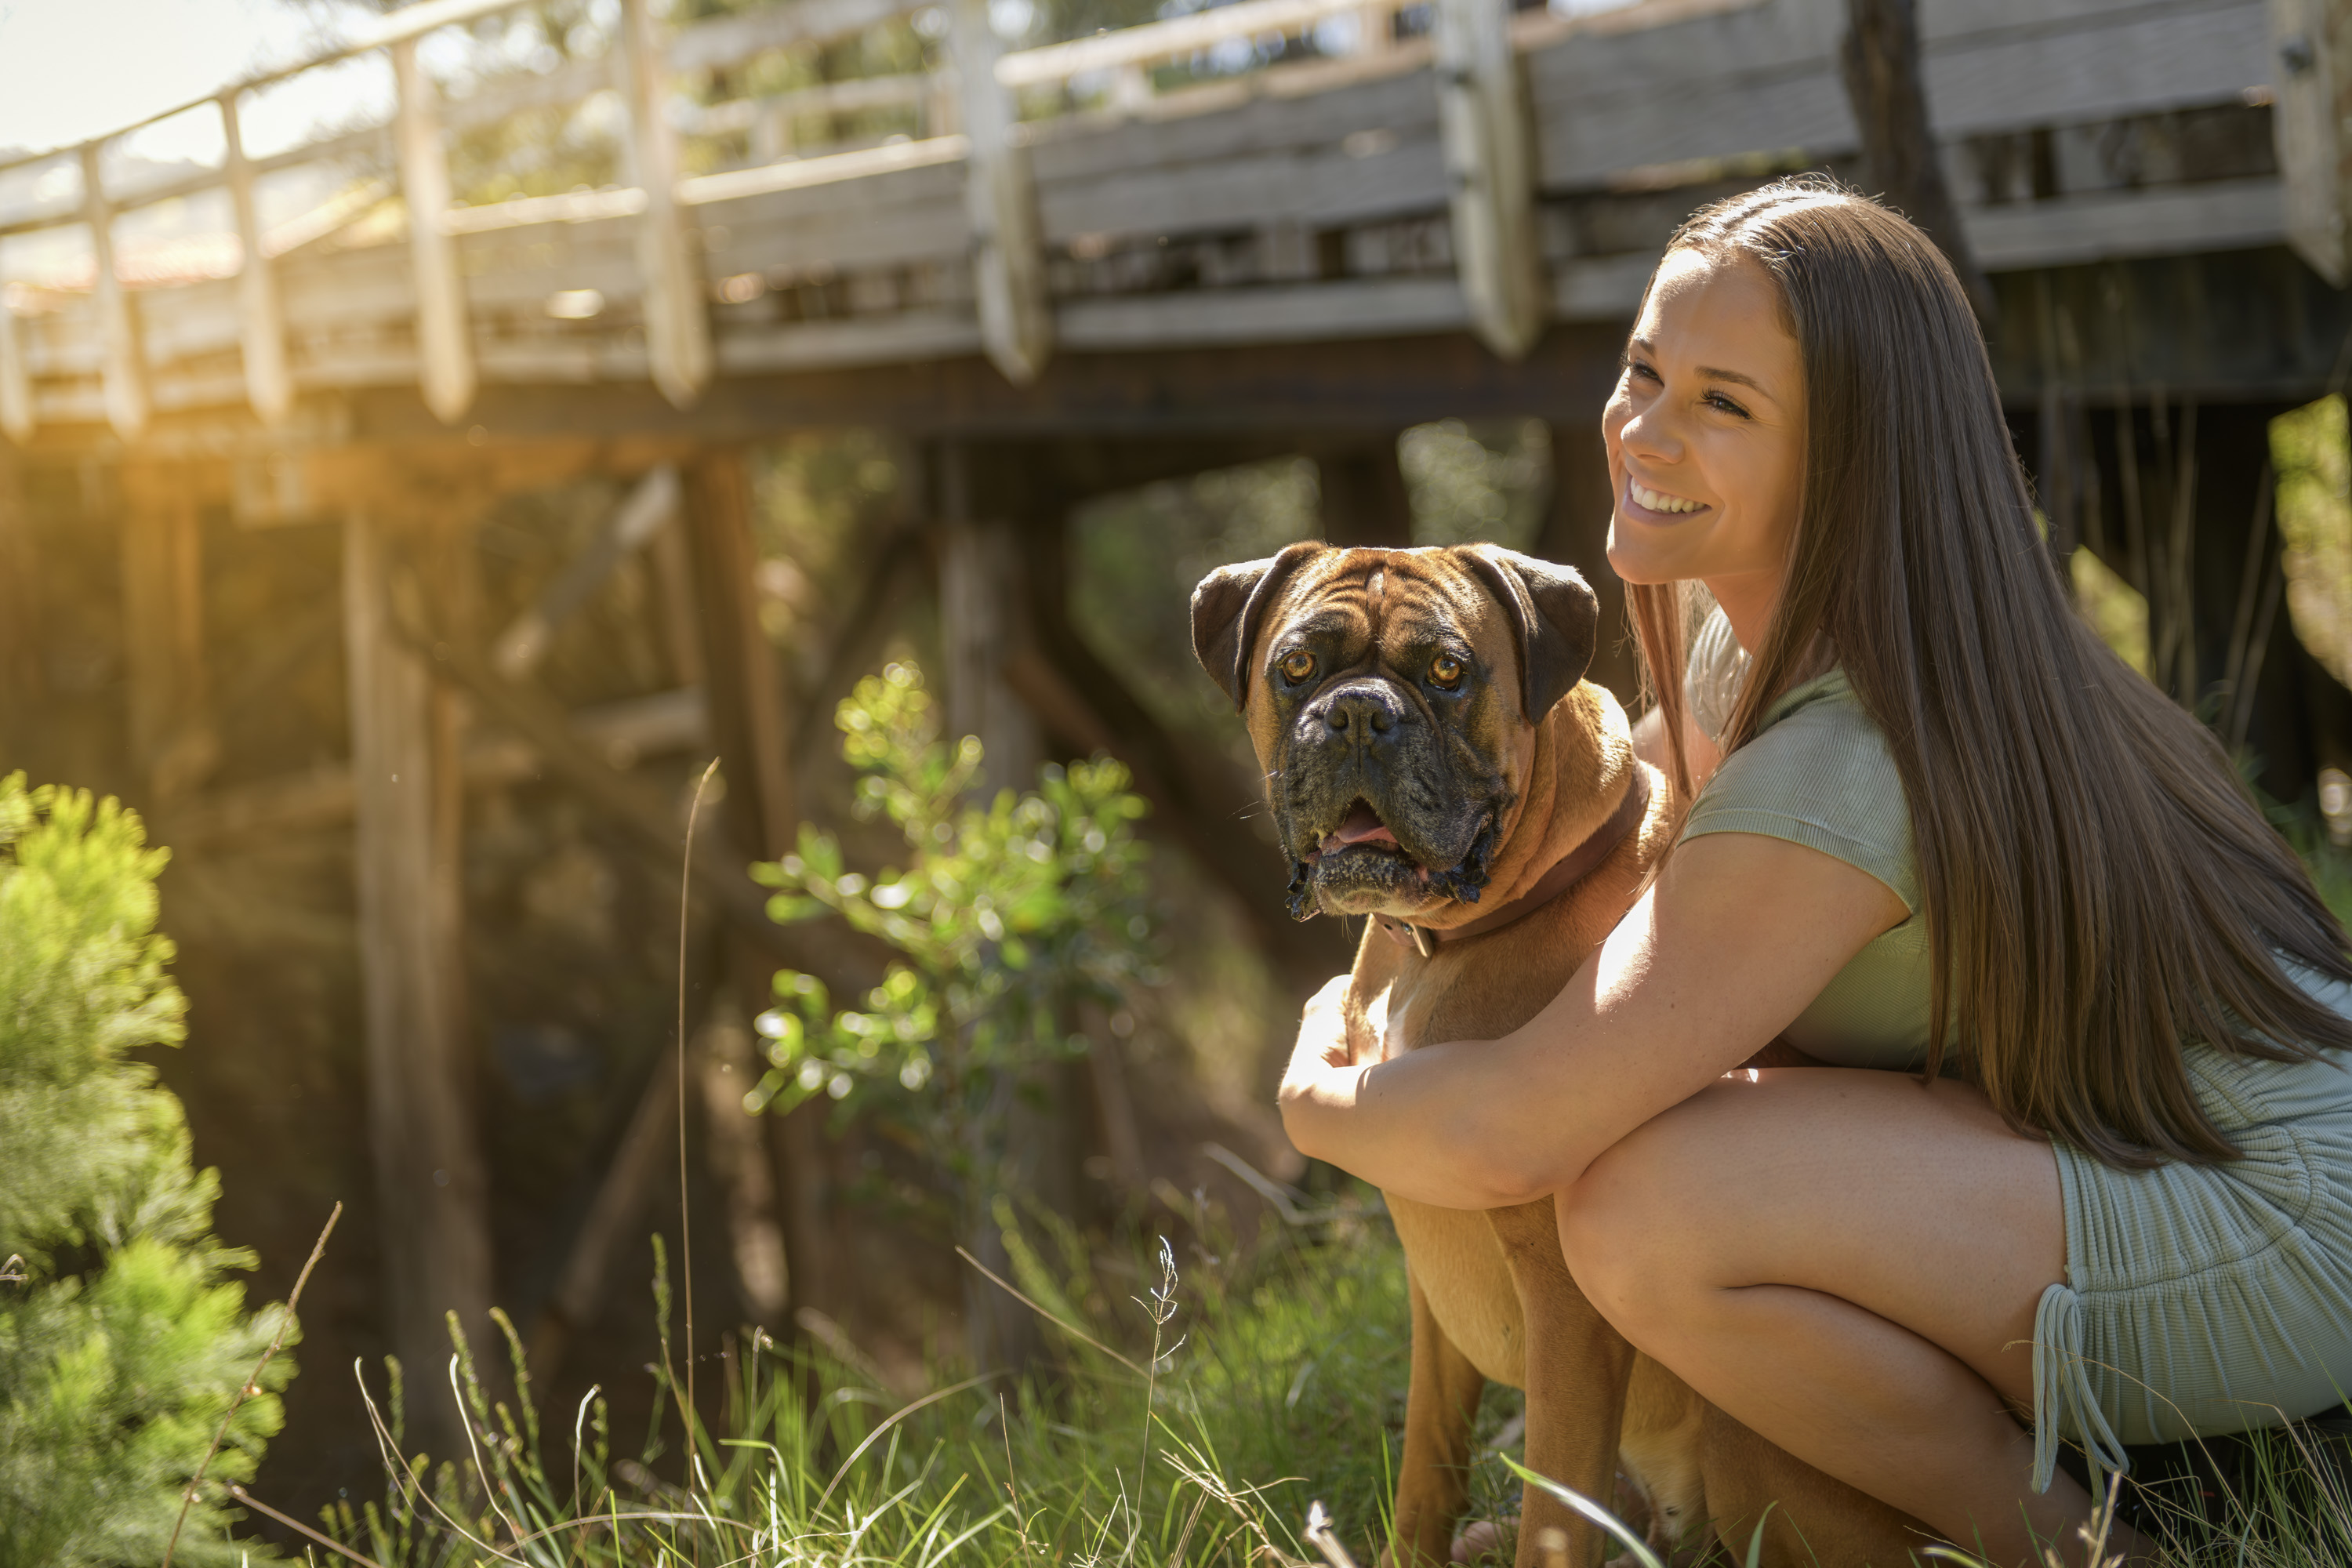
x=2207, y=1299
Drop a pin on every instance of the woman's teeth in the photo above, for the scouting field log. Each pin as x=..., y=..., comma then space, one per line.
x=1657, y=501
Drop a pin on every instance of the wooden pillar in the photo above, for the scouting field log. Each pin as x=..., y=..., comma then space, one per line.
x=1900, y=161
x=1488, y=135
x=1017, y=317
x=21, y=682
x=749, y=721
x=1363, y=497
x=269, y=386
x=125, y=372
x=981, y=616
x=15, y=380
x=172, y=741
x=1575, y=532
x=2311, y=55
x=431, y=1186
x=677, y=323
x=444, y=352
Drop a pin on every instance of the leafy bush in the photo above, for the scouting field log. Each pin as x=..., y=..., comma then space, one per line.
x=120, y=1343
x=1006, y=918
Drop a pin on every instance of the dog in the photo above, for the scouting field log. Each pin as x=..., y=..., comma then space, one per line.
x=1437, y=762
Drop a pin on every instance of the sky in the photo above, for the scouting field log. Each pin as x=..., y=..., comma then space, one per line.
x=72, y=68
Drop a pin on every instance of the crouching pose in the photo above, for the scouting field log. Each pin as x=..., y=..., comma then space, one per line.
x=2074, y=1170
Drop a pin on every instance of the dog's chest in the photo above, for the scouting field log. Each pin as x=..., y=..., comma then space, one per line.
x=1455, y=1254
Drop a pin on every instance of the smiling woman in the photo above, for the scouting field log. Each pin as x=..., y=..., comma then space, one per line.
x=2073, y=1166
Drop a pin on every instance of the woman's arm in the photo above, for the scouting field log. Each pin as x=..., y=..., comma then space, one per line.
x=1736, y=937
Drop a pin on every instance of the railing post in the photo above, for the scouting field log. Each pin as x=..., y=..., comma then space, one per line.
x=126, y=370
x=677, y=324
x=445, y=352
x=2308, y=39
x=16, y=380
x=268, y=385
x=1016, y=320
x=1490, y=161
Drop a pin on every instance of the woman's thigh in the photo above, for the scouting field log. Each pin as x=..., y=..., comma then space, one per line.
x=1913, y=1201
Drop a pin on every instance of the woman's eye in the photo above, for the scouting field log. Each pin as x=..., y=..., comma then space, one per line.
x=1296, y=665
x=1640, y=371
x=1446, y=671
x=1726, y=404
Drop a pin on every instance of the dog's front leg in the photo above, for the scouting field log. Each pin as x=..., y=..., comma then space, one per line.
x=1433, y=1477
x=1577, y=1369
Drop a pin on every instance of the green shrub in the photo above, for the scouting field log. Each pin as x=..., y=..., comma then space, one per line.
x=121, y=1343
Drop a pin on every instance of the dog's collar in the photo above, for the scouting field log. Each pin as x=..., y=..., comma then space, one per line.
x=1565, y=872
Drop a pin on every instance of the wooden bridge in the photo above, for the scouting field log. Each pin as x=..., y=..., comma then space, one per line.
x=1270, y=226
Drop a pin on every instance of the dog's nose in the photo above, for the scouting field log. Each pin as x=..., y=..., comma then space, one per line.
x=1362, y=712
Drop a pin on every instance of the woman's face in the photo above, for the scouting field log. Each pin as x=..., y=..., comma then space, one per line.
x=1706, y=433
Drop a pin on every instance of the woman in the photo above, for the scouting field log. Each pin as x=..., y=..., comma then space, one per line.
x=2108, y=1197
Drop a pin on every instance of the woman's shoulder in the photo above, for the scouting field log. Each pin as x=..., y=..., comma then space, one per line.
x=1819, y=773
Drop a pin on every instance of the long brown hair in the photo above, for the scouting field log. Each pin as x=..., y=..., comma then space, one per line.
x=2100, y=887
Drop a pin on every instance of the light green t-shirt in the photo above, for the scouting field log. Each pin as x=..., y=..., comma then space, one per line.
x=1818, y=773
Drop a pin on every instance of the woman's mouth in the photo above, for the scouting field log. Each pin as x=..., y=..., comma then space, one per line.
x=1643, y=498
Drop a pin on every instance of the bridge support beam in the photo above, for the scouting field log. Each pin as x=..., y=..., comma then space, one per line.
x=171, y=736
x=1488, y=133
x=1017, y=319
x=16, y=381
x=269, y=386
x=431, y=1188
x=125, y=372
x=444, y=353
x=677, y=323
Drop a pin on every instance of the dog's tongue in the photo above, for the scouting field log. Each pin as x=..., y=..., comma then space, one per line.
x=1364, y=826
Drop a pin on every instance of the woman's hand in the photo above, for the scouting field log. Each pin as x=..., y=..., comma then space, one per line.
x=1322, y=1062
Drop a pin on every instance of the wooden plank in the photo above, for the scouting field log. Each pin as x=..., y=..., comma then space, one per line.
x=505, y=97
x=907, y=337
x=1016, y=322
x=646, y=507
x=1321, y=189
x=443, y=347
x=126, y=368
x=1352, y=309
x=908, y=235
x=431, y=1185
x=1403, y=105
x=797, y=173
x=1490, y=173
x=678, y=321
x=172, y=741
x=1902, y=163
x=262, y=327
x=1152, y=43
x=2180, y=220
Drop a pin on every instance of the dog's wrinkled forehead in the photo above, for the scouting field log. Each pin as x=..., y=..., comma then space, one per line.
x=1354, y=600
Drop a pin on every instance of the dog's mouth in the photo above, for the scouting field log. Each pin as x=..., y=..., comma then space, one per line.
x=1360, y=828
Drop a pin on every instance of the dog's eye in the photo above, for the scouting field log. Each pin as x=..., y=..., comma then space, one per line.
x=1296, y=665
x=1446, y=671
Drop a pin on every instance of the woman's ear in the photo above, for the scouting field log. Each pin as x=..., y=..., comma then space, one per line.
x=1228, y=608
x=1555, y=616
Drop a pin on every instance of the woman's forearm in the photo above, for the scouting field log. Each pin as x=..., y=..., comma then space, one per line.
x=1423, y=1126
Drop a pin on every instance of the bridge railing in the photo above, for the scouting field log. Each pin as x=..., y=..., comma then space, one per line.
x=974, y=108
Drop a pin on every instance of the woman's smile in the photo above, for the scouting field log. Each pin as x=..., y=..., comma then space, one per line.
x=1640, y=498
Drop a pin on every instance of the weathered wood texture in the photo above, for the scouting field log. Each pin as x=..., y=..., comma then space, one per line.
x=1901, y=162
x=431, y=1196
x=1303, y=204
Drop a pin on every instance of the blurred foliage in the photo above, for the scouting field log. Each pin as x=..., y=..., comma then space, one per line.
x=2116, y=610
x=1488, y=484
x=121, y=1344
x=2315, y=517
x=1006, y=918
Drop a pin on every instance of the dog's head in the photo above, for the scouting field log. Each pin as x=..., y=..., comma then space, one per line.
x=1393, y=698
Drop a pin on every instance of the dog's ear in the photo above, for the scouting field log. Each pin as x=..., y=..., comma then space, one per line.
x=1228, y=608
x=1554, y=616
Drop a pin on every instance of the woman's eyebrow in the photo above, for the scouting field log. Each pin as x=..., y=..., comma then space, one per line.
x=1708, y=372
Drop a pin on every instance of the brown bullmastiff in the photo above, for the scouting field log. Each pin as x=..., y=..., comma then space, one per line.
x=1437, y=764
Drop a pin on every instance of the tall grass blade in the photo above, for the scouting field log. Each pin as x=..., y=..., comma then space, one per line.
x=1639, y=1548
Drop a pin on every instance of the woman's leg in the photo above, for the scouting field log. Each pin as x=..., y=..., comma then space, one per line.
x=1848, y=1262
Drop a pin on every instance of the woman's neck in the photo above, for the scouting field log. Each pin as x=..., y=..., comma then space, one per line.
x=1749, y=599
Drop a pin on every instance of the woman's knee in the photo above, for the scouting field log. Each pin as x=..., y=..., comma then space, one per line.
x=1623, y=1226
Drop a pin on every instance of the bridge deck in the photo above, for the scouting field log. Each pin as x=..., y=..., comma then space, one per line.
x=1311, y=201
